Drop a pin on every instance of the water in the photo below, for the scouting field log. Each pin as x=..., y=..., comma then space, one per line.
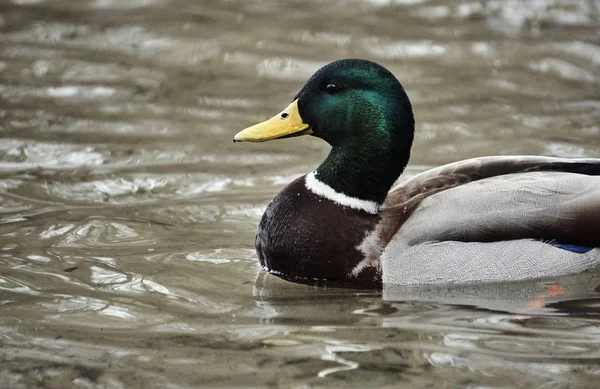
x=128, y=215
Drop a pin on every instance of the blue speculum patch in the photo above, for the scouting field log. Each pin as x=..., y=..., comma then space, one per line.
x=573, y=248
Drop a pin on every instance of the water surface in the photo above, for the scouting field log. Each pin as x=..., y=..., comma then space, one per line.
x=127, y=215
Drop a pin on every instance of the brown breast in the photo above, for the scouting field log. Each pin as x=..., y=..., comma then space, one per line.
x=305, y=238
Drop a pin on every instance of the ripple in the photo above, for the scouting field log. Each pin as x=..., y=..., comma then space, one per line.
x=101, y=276
x=288, y=68
x=445, y=359
x=221, y=255
x=93, y=312
x=139, y=285
x=241, y=58
x=214, y=185
x=185, y=213
x=39, y=258
x=84, y=71
x=48, y=32
x=67, y=93
x=565, y=150
x=227, y=102
x=117, y=4
x=212, y=258
x=484, y=49
x=585, y=50
x=118, y=312
x=433, y=12
x=8, y=284
x=67, y=304
x=9, y=184
x=52, y=155
x=143, y=128
x=245, y=213
x=111, y=190
x=563, y=69
x=403, y=49
x=26, y=2
x=56, y=230
x=100, y=233
x=513, y=15
x=381, y=3
x=129, y=39
x=322, y=38
x=79, y=91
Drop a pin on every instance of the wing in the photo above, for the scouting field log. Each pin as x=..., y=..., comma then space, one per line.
x=563, y=207
x=489, y=219
x=497, y=229
x=503, y=174
x=474, y=169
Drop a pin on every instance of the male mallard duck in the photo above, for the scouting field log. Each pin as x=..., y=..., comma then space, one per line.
x=479, y=220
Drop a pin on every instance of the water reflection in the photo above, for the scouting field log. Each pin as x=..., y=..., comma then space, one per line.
x=409, y=318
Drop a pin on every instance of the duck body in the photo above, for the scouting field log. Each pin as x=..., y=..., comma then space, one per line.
x=481, y=220
x=486, y=219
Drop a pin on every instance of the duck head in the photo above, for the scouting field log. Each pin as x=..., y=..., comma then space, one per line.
x=363, y=112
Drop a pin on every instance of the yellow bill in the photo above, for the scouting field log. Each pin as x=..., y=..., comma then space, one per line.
x=285, y=124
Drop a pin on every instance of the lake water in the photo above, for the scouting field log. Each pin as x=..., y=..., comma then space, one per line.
x=128, y=215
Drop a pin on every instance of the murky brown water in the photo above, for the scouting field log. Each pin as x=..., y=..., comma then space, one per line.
x=128, y=215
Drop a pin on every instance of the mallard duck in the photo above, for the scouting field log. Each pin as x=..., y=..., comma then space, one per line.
x=488, y=219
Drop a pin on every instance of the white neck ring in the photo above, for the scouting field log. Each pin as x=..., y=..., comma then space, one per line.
x=324, y=190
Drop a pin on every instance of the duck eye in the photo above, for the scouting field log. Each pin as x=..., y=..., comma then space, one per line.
x=331, y=88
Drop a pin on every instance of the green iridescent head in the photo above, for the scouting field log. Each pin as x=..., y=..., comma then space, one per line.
x=363, y=112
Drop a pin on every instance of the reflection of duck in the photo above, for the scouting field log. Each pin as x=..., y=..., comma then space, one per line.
x=284, y=302
x=482, y=219
x=281, y=301
x=528, y=297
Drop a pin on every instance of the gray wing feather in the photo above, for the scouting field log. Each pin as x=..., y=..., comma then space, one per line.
x=461, y=172
x=408, y=196
x=469, y=262
x=490, y=225
x=541, y=205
